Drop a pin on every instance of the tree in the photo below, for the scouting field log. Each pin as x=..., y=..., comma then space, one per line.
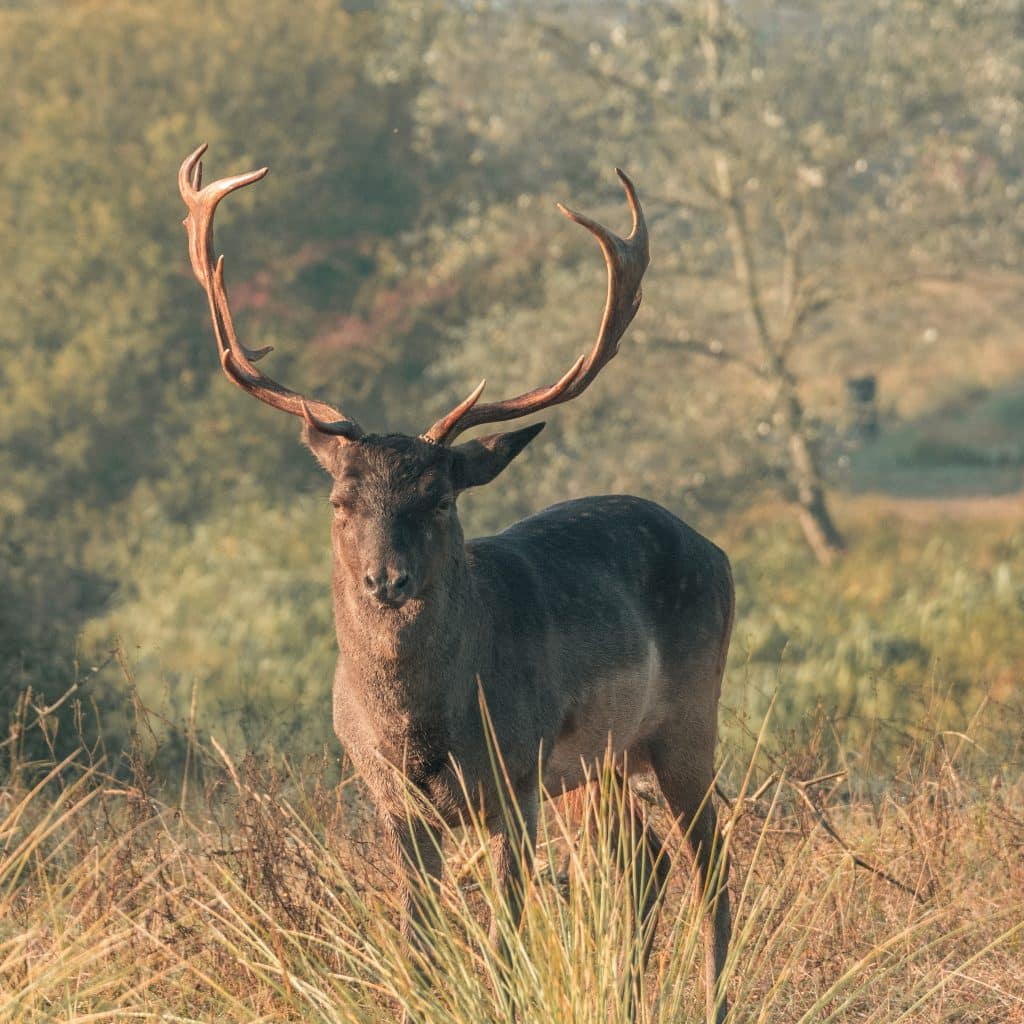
x=114, y=410
x=786, y=157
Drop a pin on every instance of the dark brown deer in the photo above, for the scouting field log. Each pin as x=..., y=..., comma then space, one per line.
x=599, y=624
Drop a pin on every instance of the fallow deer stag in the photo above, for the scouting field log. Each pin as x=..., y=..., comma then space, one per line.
x=599, y=624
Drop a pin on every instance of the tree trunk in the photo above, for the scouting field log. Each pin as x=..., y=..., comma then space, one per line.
x=820, y=531
x=803, y=472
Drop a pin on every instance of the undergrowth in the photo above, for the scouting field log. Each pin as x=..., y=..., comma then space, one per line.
x=257, y=891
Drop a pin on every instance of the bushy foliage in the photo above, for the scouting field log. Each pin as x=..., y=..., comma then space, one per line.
x=918, y=624
x=104, y=342
x=919, y=617
x=405, y=245
x=237, y=608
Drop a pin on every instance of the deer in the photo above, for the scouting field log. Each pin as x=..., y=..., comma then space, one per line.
x=597, y=626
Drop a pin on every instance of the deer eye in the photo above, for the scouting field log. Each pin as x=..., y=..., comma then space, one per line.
x=340, y=503
x=445, y=505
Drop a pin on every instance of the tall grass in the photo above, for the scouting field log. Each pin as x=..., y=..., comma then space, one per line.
x=257, y=892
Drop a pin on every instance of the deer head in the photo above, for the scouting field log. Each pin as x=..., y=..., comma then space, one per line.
x=395, y=524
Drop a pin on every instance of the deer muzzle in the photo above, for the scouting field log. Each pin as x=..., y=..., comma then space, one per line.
x=389, y=585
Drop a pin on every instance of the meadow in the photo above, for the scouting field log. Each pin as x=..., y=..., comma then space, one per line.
x=877, y=842
x=255, y=891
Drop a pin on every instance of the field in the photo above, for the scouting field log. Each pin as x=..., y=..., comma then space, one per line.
x=877, y=841
x=255, y=892
x=870, y=790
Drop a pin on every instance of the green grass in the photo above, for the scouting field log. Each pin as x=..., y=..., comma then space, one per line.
x=916, y=625
x=918, y=611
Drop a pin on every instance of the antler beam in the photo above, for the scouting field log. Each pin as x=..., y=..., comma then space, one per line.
x=236, y=360
x=626, y=260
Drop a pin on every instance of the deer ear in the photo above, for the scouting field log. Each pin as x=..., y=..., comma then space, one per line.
x=326, y=448
x=480, y=461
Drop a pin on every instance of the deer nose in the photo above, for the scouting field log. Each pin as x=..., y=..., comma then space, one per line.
x=389, y=585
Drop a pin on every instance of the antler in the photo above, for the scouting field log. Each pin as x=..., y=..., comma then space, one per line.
x=626, y=259
x=236, y=360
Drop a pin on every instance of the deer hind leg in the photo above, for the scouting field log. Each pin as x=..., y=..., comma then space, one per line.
x=689, y=796
x=512, y=843
x=639, y=855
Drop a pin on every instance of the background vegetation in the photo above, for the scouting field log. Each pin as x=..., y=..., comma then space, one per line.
x=833, y=190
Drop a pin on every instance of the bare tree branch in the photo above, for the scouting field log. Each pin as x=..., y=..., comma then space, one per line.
x=714, y=350
x=42, y=713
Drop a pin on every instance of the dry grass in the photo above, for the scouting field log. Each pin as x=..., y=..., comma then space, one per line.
x=256, y=893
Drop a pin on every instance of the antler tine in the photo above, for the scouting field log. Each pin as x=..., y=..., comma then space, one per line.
x=626, y=260
x=236, y=360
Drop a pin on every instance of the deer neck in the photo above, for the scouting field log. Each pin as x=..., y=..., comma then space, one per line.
x=415, y=659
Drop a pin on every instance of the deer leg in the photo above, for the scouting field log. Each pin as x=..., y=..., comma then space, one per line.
x=416, y=850
x=639, y=854
x=512, y=843
x=512, y=847
x=690, y=801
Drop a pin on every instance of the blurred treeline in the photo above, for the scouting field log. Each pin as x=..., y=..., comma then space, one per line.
x=406, y=244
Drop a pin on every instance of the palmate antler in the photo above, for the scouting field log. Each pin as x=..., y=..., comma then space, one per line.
x=236, y=360
x=626, y=259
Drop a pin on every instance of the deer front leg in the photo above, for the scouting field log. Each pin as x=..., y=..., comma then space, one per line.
x=512, y=843
x=416, y=850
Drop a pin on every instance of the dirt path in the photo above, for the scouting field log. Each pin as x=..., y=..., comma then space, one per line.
x=994, y=508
